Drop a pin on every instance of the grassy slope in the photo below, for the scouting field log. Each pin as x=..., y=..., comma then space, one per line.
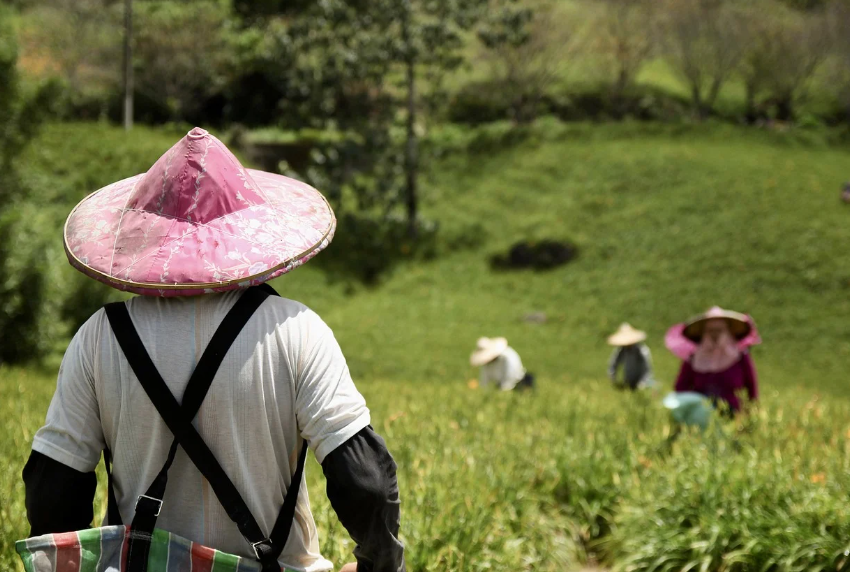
x=668, y=224
x=669, y=220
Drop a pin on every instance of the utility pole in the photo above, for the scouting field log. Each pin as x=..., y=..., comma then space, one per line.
x=128, y=64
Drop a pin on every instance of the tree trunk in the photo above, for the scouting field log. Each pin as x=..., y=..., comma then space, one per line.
x=696, y=99
x=411, y=159
x=128, y=64
x=785, y=107
x=750, y=115
x=716, y=84
x=620, y=91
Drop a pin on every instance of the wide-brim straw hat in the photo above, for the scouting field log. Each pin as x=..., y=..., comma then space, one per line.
x=626, y=335
x=197, y=222
x=486, y=350
x=682, y=339
x=739, y=325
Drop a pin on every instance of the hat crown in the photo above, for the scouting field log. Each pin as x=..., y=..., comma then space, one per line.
x=197, y=180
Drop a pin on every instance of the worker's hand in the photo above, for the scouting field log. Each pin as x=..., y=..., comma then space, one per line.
x=350, y=567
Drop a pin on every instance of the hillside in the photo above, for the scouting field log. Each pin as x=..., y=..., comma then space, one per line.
x=668, y=220
x=667, y=224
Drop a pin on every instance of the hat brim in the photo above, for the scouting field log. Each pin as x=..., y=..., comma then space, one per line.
x=145, y=253
x=738, y=324
x=484, y=356
x=627, y=338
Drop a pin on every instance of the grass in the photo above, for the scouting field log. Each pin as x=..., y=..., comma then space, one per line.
x=668, y=219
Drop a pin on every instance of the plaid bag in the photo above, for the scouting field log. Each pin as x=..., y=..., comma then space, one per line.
x=141, y=547
x=105, y=550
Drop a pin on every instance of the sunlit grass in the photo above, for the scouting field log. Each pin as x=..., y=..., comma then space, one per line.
x=668, y=220
x=565, y=476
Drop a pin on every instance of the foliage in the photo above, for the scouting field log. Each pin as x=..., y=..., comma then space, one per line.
x=782, y=53
x=27, y=268
x=702, y=42
x=567, y=474
x=838, y=16
x=542, y=255
x=78, y=41
x=576, y=470
x=624, y=40
x=178, y=54
x=43, y=299
x=526, y=50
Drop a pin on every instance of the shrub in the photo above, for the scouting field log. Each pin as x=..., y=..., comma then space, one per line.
x=367, y=246
x=478, y=103
x=542, y=255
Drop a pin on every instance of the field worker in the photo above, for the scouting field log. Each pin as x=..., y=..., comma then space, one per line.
x=500, y=364
x=716, y=361
x=208, y=383
x=632, y=357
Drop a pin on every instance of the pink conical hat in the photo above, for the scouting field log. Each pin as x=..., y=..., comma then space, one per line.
x=197, y=222
x=683, y=345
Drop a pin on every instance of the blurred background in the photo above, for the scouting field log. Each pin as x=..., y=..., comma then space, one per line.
x=540, y=170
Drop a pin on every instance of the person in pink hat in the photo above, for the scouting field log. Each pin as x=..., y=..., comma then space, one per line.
x=715, y=358
x=209, y=382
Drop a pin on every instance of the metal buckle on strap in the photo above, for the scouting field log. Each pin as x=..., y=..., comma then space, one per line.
x=157, y=502
x=256, y=546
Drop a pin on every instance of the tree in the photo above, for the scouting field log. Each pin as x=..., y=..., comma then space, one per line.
x=702, y=43
x=838, y=16
x=430, y=41
x=179, y=51
x=356, y=66
x=76, y=40
x=20, y=114
x=527, y=51
x=624, y=40
x=783, y=50
x=26, y=321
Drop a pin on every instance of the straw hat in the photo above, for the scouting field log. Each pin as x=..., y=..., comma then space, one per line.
x=739, y=324
x=197, y=222
x=626, y=336
x=486, y=350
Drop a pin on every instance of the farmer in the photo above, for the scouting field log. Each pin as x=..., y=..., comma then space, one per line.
x=500, y=364
x=198, y=236
x=632, y=356
x=716, y=362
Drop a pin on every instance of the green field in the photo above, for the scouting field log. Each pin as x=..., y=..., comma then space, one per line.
x=668, y=220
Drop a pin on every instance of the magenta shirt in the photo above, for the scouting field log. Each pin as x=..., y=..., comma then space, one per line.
x=722, y=384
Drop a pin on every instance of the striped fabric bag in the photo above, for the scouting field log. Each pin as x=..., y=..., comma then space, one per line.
x=142, y=547
x=105, y=550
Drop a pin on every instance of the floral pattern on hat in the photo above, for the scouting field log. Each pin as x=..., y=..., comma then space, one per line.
x=197, y=222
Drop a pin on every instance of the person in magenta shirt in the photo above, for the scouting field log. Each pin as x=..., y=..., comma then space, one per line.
x=717, y=363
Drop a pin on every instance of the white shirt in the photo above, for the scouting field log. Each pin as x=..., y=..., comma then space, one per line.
x=506, y=370
x=283, y=380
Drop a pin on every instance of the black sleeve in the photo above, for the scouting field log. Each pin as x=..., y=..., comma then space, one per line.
x=363, y=490
x=58, y=498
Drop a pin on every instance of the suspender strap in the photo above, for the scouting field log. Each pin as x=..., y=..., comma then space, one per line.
x=179, y=422
x=113, y=516
x=149, y=504
x=204, y=373
x=283, y=524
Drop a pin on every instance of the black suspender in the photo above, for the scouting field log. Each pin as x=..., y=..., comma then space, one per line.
x=178, y=418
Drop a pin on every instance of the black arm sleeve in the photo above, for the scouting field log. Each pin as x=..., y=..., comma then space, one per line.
x=58, y=498
x=363, y=490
